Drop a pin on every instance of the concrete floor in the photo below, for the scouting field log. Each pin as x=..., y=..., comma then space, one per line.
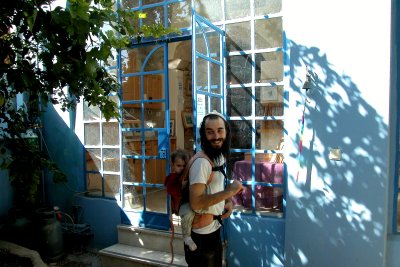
x=77, y=258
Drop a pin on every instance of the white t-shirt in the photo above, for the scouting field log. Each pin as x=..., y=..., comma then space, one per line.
x=199, y=173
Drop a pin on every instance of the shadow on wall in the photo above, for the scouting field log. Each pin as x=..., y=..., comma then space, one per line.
x=336, y=207
x=67, y=151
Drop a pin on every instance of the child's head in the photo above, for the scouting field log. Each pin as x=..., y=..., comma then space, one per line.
x=179, y=158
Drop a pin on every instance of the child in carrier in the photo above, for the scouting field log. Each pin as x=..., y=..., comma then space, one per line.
x=179, y=202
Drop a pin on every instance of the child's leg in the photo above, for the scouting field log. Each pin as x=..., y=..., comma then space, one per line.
x=187, y=216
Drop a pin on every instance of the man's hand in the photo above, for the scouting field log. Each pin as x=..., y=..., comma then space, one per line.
x=228, y=208
x=234, y=187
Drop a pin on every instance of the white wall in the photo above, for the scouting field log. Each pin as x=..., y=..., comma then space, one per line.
x=336, y=210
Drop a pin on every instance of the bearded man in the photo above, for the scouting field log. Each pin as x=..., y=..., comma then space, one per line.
x=210, y=198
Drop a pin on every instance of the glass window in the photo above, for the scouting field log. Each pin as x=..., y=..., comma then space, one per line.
x=179, y=15
x=269, y=67
x=238, y=100
x=238, y=36
x=237, y=9
x=239, y=69
x=125, y=4
x=263, y=7
x=209, y=9
x=268, y=33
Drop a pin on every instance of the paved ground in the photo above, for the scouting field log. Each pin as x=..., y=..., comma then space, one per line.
x=79, y=259
x=12, y=255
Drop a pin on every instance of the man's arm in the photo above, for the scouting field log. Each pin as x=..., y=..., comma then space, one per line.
x=200, y=200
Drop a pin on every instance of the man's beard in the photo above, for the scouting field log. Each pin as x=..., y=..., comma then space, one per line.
x=215, y=153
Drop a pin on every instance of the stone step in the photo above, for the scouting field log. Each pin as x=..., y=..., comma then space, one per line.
x=151, y=239
x=120, y=255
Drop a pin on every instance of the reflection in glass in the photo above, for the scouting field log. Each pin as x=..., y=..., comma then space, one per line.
x=133, y=197
x=93, y=162
x=239, y=69
x=238, y=36
x=92, y=134
x=239, y=101
x=111, y=186
x=111, y=159
x=179, y=14
x=269, y=67
x=241, y=134
x=268, y=33
x=154, y=15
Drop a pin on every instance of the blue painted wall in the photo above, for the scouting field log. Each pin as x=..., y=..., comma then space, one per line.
x=255, y=241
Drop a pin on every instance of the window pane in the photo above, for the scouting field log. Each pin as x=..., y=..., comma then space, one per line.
x=269, y=199
x=209, y=9
x=241, y=134
x=133, y=198
x=269, y=101
x=201, y=74
x=91, y=112
x=110, y=133
x=111, y=159
x=237, y=9
x=268, y=33
x=129, y=62
x=132, y=170
x=111, y=186
x=238, y=36
x=94, y=184
x=269, y=67
x=239, y=69
x=215, y=104
x=239, y=101
x=263, y=7
x=92, y=134
x=93, y=162
x=154, y=15
x=131, y=88
x=156, y=200
x=148, y=2
x=215, y=82
x=179, y=14
x=269, y=134
x=125, y=4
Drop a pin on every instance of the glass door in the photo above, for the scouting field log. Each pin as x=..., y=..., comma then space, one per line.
x=208, y=70
x=145, y=135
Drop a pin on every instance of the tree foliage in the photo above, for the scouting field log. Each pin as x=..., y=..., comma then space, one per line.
x=58, y=55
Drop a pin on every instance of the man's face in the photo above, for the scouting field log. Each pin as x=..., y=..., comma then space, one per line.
x=215, y=132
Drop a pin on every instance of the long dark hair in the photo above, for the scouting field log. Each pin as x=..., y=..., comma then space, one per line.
x=211, y=152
